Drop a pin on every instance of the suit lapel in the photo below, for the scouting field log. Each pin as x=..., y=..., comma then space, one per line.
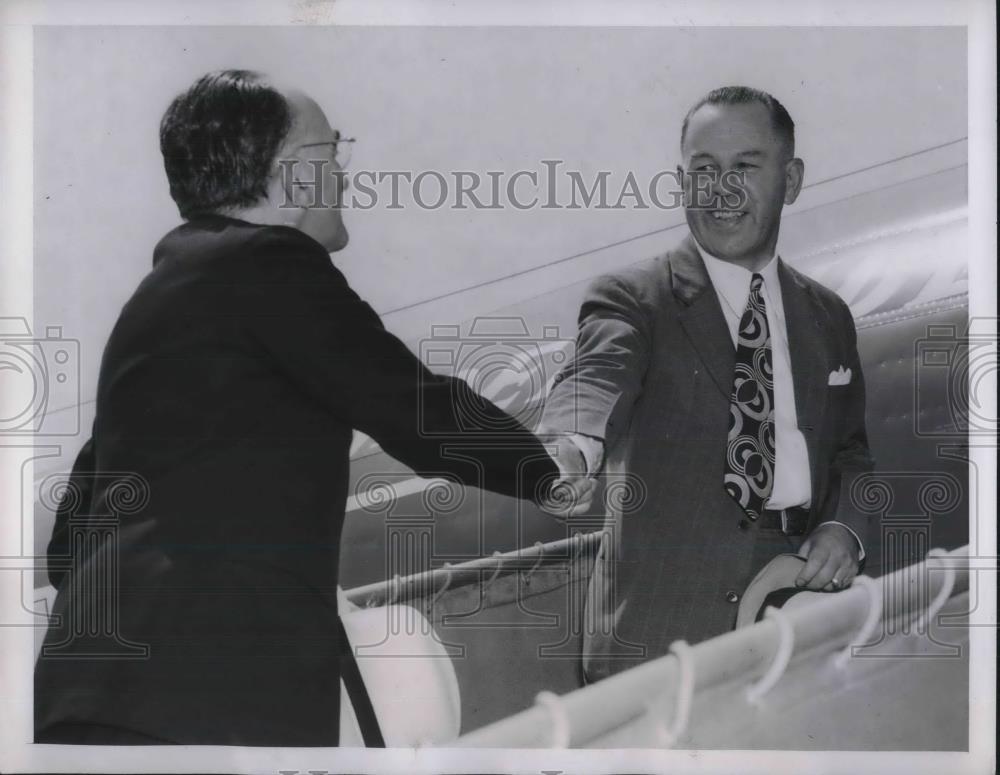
x=804, y=317
x=701, y=315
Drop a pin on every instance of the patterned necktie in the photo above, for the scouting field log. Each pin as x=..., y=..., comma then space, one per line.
x=750, y=453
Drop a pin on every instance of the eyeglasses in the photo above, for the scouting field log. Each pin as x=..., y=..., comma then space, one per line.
x=341, y=149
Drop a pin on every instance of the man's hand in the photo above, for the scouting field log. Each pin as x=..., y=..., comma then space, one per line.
x=573, y=493
x=831, y=553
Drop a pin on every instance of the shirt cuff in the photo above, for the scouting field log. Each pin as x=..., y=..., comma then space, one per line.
x=592, y=450
x=861, y=546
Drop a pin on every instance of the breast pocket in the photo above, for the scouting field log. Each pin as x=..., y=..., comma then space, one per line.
x=840, y=381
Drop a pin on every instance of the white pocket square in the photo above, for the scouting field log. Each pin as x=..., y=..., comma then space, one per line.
x=841, y=376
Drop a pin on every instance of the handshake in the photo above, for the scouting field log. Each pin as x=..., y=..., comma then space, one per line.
x=573, y=493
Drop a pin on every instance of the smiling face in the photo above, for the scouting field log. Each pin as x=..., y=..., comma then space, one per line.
x=722, y=140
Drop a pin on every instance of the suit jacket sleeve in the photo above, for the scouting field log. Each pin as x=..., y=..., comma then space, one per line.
x=852, y=456
x=333, y=346
x=594, y=394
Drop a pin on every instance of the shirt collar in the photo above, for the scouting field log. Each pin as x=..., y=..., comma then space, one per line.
x=733, y=282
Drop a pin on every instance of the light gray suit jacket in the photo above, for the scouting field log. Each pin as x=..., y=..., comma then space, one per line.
x=652, y=376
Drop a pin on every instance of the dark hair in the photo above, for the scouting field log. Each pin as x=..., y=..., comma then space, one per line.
x=219, y=140
x=745, y=95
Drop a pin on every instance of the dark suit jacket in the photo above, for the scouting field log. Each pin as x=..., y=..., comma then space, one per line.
x=227, y=395
x=652, y=376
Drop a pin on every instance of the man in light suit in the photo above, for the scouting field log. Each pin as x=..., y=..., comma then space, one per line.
x=728, y=385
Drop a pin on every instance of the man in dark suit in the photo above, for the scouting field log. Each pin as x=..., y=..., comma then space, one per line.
x=226, y=400
x=728, y=386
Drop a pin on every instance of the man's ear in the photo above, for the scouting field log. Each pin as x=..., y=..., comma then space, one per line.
x=292, y=189
x=284, y=197
x=281, y=187
x=795, y=170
